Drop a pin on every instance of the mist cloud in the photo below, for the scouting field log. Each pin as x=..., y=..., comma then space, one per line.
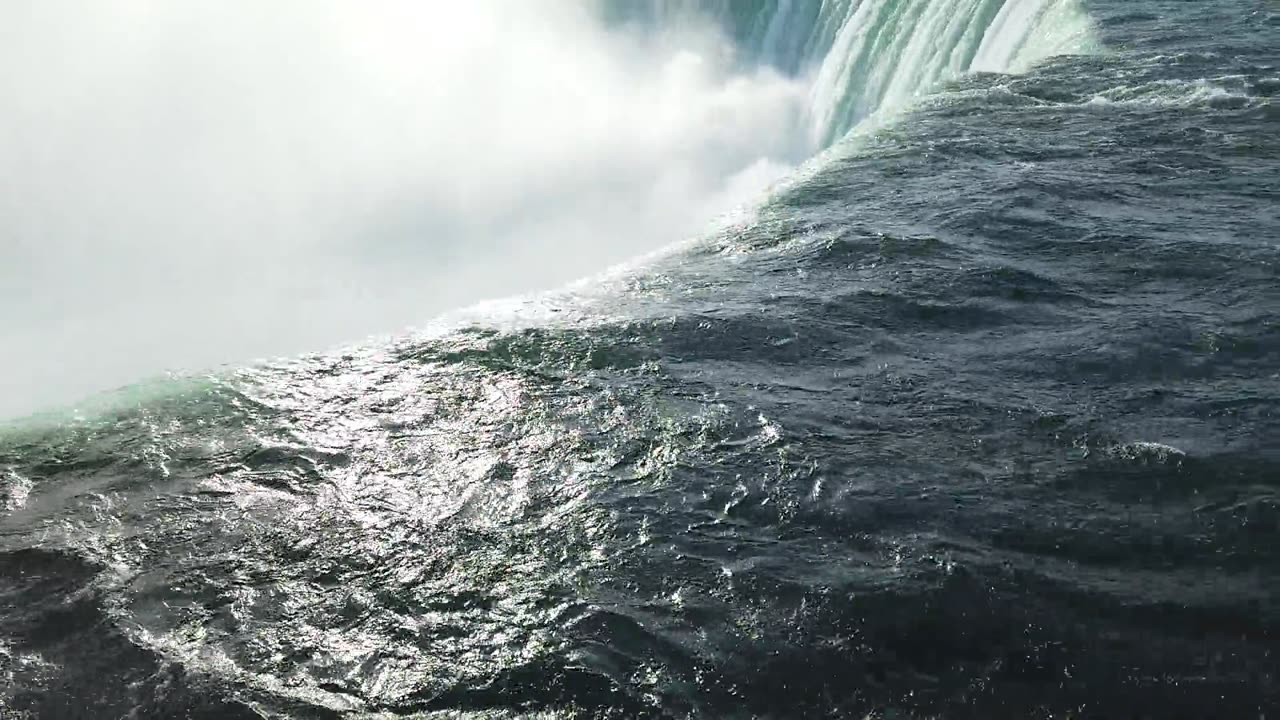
x=190, y=183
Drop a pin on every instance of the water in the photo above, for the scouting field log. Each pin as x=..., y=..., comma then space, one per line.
x=979, y=416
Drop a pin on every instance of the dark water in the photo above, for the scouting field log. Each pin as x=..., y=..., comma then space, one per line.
x=980, y=419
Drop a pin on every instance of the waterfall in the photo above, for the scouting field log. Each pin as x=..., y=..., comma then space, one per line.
x=864, y=57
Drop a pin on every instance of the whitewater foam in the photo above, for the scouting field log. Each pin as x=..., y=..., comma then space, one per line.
x=865, y=58
x=1187, y=93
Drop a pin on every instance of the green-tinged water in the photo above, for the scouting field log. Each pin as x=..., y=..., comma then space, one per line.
x=978, y=418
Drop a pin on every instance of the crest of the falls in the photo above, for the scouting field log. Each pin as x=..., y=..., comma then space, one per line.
x=868, y=57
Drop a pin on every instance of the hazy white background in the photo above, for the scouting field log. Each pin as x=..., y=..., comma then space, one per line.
x=185, y=183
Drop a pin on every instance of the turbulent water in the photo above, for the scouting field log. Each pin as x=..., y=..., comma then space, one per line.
x=979, y=416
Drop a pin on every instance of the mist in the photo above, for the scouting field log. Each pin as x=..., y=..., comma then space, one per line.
x=188, y=184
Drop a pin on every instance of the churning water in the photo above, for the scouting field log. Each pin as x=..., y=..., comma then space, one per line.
x=977, y=415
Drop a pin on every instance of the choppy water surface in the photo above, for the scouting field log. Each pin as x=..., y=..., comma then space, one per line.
x=979, y=418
